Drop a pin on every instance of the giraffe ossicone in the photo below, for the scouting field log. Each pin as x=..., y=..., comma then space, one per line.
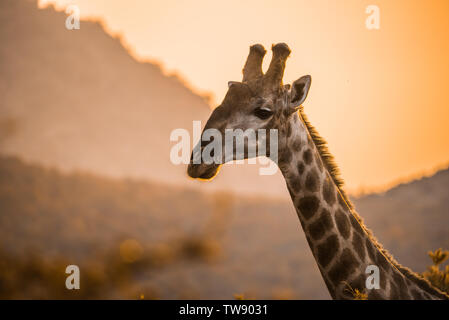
x=341, y=245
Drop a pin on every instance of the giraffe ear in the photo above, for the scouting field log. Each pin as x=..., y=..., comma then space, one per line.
x=300, y=89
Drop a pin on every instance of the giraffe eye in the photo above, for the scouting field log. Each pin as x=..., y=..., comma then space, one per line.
x=263, y=113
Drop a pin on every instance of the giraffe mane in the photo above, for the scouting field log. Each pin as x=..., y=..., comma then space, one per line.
x=334, y=171
x=326, y=157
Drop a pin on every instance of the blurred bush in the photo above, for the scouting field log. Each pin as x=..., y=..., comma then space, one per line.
x=438, y=278
x=123, y=271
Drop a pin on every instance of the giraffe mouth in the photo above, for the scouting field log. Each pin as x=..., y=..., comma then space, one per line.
x=203, y=171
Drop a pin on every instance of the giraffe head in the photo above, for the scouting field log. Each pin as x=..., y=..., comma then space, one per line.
x=259, y=101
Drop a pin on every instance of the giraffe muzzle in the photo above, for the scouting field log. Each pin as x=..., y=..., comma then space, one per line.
x=203, y=171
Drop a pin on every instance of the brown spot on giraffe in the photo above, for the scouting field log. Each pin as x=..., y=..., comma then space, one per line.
x=345, y=266
x=307, y=156
x=301, y=168
x=285, y=156
x=312, y=181
x=295, y=184
x=308, y=206
x=358, y=245
x=296, y=145
x=326, y=251
x=328, y=191
x=343, y=224
x=323, y=224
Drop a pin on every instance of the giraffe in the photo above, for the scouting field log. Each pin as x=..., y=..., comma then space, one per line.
x=340, y=243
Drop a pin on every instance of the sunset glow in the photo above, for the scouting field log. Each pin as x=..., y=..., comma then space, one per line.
x=379, y=97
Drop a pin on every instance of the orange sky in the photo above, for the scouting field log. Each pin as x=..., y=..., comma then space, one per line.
x=380, y=97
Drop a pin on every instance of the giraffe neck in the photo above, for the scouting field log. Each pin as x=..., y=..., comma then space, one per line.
x=341, y=245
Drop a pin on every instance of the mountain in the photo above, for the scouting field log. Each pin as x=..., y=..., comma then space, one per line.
x=239, y=244
x=411, y=218
x=77, y=100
